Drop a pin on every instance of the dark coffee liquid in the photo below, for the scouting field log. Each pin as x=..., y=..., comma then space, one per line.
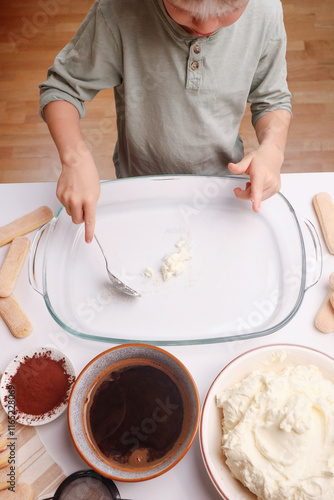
x=136, y=415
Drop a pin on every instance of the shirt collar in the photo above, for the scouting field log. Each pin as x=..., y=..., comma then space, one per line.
x=178, y=32
x=181, y=34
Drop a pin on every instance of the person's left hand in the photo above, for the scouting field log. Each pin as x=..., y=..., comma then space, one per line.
x=263, y=167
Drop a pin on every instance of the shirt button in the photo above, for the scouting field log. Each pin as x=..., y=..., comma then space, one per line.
x=194, y=65
x=197, y=49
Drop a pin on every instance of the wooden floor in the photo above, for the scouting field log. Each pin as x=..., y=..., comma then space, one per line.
x=31, y=36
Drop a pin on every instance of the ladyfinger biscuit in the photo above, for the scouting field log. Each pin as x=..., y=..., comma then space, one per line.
x=4, y=476
x=25, y=224
x=4, y=455
x=324, y=208
x=23, y=491
x=14, y=317
x=331, y=280
x=4, y=441
x=12, y=264
x=324, y=320
x=331, y=296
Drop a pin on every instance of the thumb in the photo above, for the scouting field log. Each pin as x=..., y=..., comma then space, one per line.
x=240, y=167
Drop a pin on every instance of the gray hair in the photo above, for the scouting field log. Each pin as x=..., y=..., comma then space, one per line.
x=209, y=8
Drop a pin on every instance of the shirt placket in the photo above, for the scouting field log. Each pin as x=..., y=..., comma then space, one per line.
x=194, y=66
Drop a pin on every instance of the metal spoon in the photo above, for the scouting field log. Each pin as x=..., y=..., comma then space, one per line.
x=122, y=287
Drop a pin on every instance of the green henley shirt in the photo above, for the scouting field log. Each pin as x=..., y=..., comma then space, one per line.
x=179, y=99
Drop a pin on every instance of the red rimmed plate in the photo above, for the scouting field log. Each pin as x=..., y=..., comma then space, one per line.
x=274, y=358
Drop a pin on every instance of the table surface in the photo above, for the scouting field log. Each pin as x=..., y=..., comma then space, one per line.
x=188, y=479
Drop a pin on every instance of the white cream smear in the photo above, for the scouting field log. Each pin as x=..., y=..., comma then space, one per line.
x=278, y=433
x=149, y=272
x=173, y=265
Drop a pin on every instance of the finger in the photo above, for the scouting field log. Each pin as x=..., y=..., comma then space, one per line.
x=268, y=193
x=243, y=194
x=238, y=190
x=257, y=181
x=63, y=201
x=77, y=213
x=89, y=215
x=270, y=190
x=241, y=167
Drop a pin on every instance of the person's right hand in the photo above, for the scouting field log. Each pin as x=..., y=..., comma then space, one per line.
x=78, y=189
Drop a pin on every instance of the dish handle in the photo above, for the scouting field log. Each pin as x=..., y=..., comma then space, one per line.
x=313, y=252
x=34, y=251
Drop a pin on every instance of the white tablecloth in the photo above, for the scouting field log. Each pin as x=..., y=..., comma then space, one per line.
x=189, y=479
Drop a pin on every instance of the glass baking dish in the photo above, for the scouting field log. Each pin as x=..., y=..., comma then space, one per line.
x=246, y=278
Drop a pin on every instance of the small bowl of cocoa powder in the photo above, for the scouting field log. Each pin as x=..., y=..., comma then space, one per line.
x=36, y=385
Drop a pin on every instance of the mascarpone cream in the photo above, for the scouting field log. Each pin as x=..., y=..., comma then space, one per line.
x=278, y=433
x=149, y=272
x=173, y=265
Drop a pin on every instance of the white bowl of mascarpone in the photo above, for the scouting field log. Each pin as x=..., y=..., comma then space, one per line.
x=267, y=425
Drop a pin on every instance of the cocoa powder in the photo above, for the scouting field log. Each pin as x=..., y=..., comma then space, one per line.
x=41, y=384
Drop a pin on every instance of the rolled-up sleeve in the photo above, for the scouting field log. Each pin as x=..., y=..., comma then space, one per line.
x=89, y=63
x=269, y=90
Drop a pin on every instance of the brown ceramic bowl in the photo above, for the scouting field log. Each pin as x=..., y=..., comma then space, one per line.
x=137, y=464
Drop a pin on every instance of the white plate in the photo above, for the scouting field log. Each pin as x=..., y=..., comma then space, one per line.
x=24, y=418
x=234, y=372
